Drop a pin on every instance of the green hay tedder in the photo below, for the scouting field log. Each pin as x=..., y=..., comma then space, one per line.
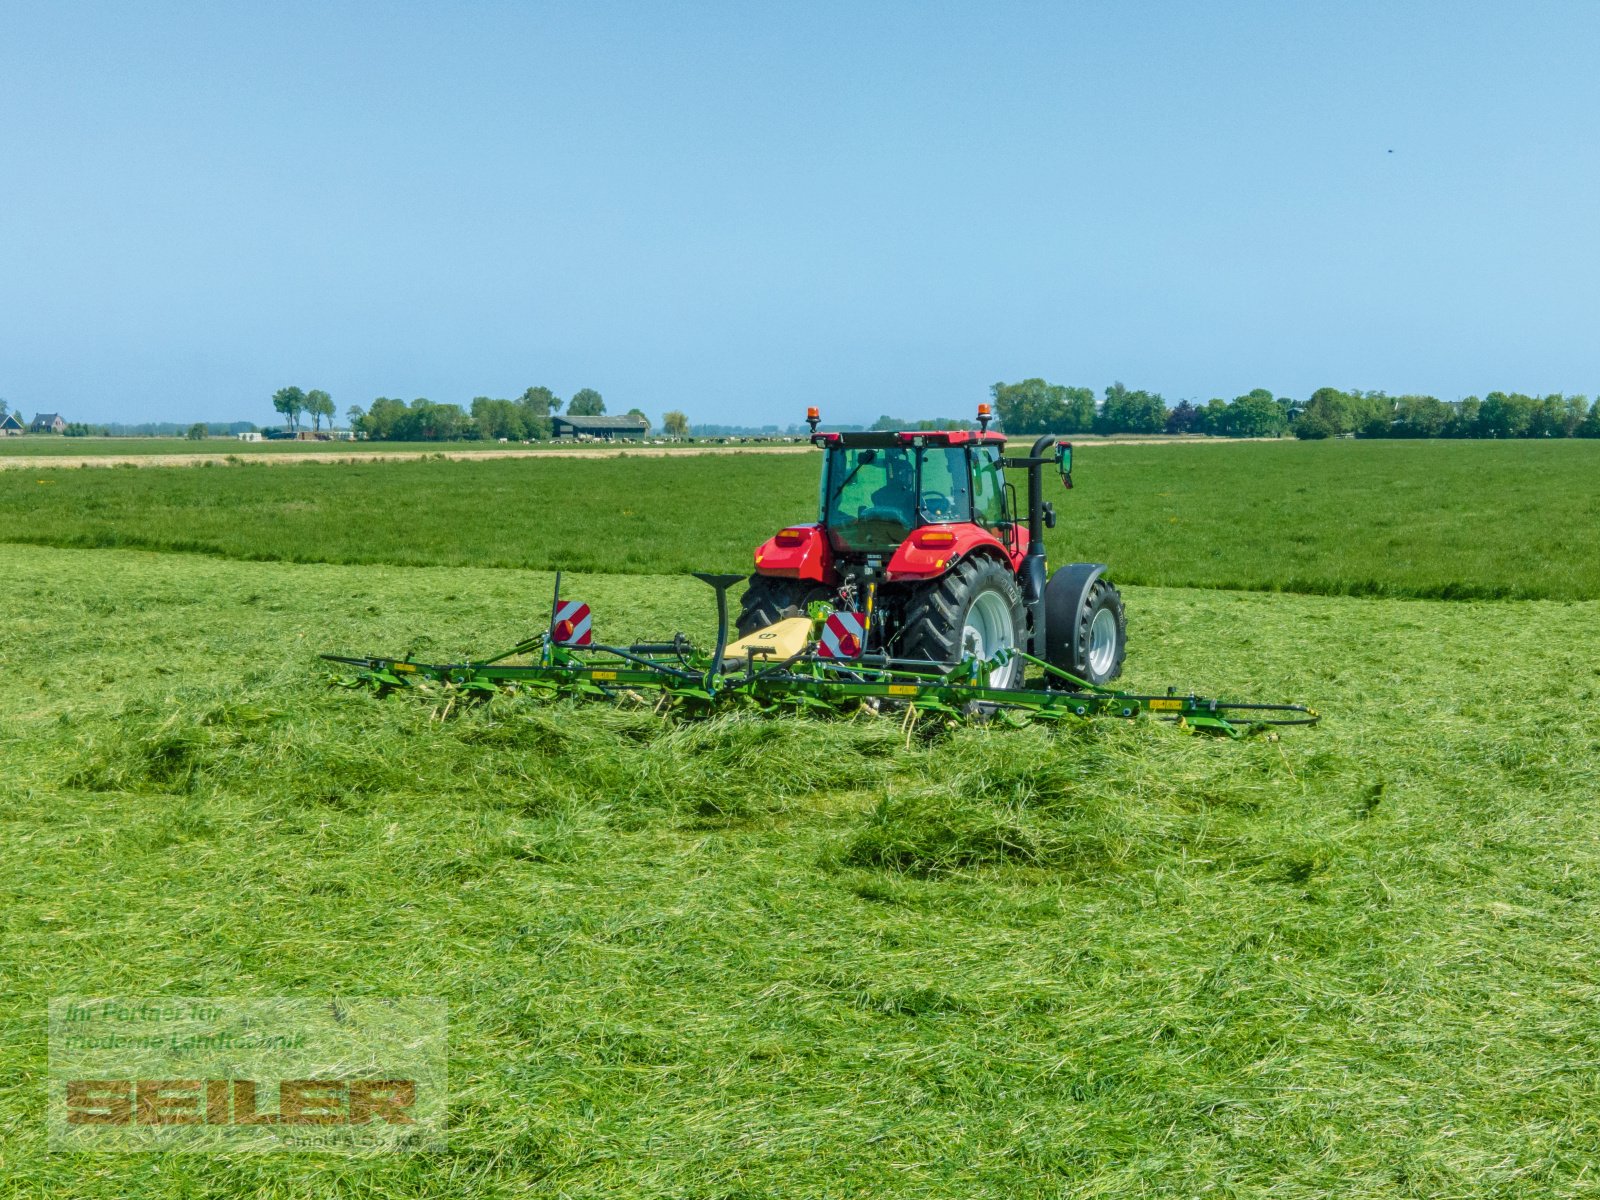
x=919, y=586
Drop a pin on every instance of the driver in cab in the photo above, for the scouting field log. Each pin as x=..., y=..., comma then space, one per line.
x=897, y=498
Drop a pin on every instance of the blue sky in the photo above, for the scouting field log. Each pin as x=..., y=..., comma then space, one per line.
x=740, y=209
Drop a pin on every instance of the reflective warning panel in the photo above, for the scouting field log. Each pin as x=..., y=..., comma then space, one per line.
x=572, y=624
x=842, y=635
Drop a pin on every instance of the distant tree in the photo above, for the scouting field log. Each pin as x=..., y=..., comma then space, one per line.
x=1078, y=410
x=1463, y=422
x=77, y=429
x=1035, y=406
x=1420, y=416
x=198, y=432
x=1591, y=424
x=1125, y=411
x=543, y=395
x=429, y=422
x=1557, y=415
x=1374, y=414
x=1254, y=415
x=1026, y=407
x=353, y=414
x=291, y=402
x=1575, y=414
x=319, y=404
x=1506, y=415
x=638, y=414
x=536, y=404
x=1212, y=420
x=4, y=407
x=420, y=421
x=383, y=419
x=1327, y=414
x=498, y=419
x=675, y=424
x=586, y=403
x=1183, y=419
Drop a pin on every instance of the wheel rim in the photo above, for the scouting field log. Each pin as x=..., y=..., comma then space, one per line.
x=989, y=629
x=1102, y=643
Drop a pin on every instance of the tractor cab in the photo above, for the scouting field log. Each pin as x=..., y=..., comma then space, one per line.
x=876, y=488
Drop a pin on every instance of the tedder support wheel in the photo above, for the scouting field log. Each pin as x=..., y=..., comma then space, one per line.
x=974, y=609
x=769, y=599
x=1086, y=630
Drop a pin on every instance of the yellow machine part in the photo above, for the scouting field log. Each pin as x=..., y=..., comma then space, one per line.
x=781, y=640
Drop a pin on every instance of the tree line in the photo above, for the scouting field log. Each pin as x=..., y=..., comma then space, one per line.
x=1035, y=406
x=527, y=418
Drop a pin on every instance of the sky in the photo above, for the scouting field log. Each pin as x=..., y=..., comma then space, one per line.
x=737, y=210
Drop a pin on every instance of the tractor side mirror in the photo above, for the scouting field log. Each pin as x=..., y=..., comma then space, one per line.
x=1064, y=462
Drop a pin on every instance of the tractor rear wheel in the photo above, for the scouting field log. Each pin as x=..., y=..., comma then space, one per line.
x=973, y=610
x=769, y=599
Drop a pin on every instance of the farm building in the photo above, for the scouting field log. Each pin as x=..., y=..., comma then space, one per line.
x=10, y=426
x=599, y=427
x=48, y=423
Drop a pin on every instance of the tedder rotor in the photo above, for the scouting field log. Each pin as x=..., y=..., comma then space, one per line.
x=919, y=585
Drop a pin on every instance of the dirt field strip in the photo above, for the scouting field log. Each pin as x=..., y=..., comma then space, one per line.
x=35, y=462
x=39, y=462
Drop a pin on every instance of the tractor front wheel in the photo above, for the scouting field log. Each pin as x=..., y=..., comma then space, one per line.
x=974, y=610
x=769, y=599
x=1086, y=629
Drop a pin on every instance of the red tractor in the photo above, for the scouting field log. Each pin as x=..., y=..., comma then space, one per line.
x=921, y=531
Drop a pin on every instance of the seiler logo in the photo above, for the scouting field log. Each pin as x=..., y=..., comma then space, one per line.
x=268, y=1073
x=240, y=1102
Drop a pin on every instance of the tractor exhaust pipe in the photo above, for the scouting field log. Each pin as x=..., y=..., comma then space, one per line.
x=1035, y=573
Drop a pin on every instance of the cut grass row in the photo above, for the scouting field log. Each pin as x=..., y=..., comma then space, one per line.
x=806, y=957
x=1419, y=519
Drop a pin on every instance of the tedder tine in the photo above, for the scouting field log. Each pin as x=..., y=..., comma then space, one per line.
x=809, y=680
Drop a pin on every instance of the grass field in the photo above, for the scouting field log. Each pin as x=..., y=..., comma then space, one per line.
x=1420, y=519
x=755, y=957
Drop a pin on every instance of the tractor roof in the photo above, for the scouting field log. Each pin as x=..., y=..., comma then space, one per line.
x=874, y=439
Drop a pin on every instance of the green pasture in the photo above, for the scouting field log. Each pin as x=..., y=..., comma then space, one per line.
x=759, y=957
x=1379, y=518
x=777, y=958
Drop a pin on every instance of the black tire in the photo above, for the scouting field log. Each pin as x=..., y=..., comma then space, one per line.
x=936, y=615
x=769, y=599
x=1088, y=661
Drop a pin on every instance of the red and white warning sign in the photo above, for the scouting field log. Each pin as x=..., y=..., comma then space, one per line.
x=842, y=635
x=571, y=626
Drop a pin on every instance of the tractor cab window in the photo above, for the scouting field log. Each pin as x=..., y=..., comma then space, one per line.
x=988, y=488
x=870, y=497
x=944, y=493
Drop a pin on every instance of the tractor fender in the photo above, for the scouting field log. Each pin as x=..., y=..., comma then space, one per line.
x=930, y=551
x=1064, y=596
x=798, y=552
